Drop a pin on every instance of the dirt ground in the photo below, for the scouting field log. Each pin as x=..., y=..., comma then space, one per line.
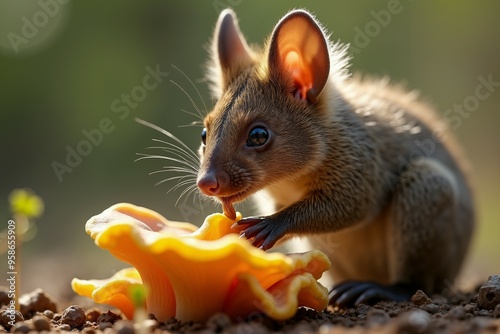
x=473, y=312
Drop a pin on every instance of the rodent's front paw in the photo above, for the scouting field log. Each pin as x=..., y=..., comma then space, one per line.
x=263, y=232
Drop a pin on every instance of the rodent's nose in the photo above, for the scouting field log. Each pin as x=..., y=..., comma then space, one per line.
x=212, y=184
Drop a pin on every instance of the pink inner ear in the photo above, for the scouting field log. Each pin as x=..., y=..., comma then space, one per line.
x=301, y=76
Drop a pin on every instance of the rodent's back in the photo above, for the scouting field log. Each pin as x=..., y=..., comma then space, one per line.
x=404, y=129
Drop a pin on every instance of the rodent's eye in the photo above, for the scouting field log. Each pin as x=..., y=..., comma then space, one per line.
x=204, y=136
x=258, y=136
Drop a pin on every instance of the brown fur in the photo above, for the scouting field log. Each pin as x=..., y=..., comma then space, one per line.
x=366, y=169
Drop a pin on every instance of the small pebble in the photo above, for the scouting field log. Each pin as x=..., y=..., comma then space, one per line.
x=65, y=327
x=377, y=317
x=457, y=312
x=416, y=321
x=41, y=323
x=489, y=293
x=57, y=317
x=496, y=312
x=49, y=314
x=74, y=316
x=469, y=308
x=363, y=309
x=172, y=324
x=36, y=301
x=4, y=296
x=444, y=307
x=420, y=298
x=7, y=316
x=484, y=313
x=431, y=308
x=218, y=322
x=93, y=314
x=108, y=316
x=393, y=312
x=124, y=327
x=88, y=330
x=21, y=327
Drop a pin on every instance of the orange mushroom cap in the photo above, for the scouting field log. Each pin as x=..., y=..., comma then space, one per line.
x=192, y=273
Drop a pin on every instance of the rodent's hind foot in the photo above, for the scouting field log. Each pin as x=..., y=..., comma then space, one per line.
x=353, y=293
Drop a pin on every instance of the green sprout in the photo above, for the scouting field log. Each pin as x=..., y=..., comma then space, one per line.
x=138, y=293
x=25, y=207
x=25, y=202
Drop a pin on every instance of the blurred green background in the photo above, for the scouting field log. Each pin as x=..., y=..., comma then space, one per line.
x=62, y=72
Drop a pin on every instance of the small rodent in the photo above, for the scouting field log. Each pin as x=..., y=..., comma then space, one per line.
x=363, y=169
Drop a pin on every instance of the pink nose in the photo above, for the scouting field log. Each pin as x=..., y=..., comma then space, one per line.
x=212, y=184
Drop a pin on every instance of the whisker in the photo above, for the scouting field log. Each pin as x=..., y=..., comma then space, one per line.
x=165, y=132
x=180, y=169
x=196, y=194
x=187, y=191
x=144, y=156
x=188, y=154
x=179, y=177
x=186, y=158
x=168, y=169
x=180, y=184
x=194, y=123
x=172, y=149
x=148, y=156
x=183, y=161
x=184, y=148
x=200, y=115
x=192, y=84
x=190, y=113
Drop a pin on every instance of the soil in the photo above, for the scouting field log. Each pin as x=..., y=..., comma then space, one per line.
x=477, y=311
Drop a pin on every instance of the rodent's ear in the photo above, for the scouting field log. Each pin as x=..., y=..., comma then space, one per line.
x=230, y=50
x=299, y=48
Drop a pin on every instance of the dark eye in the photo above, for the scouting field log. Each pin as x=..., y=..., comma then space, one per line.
x=204, y=136
x=257, y=137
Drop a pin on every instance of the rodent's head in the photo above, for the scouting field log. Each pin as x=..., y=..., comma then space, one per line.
x=270, y=111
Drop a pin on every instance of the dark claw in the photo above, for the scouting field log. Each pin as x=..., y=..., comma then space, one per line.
x=261, y=231
x=353, y=293
x=263, y=238
x=256, y=229
x=249, y=221
x=346, y=293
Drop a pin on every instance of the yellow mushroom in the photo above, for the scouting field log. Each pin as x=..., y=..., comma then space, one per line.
x=192, y=273
x=112, y=291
